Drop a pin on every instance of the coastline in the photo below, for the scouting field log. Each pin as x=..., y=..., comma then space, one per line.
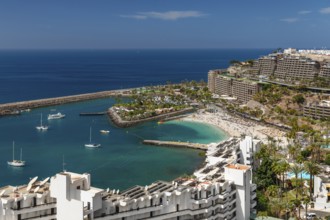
x=235, y=127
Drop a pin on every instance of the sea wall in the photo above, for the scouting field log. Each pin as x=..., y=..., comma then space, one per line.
x=15, y=107
x=176, y=144
x=117, y=120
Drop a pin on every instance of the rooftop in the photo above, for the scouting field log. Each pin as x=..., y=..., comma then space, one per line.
x=238, y=166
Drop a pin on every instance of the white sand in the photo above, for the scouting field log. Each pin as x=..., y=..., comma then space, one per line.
x=235, y=126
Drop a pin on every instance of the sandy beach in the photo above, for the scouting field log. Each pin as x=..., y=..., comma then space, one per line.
x=235, y=126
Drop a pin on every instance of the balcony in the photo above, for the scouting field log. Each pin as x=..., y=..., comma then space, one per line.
x=253, y=204
x=33, y=208
x=253, y=196
x=253, y=187
x=42, y=217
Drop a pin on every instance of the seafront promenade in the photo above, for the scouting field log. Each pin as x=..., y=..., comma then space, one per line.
x=16, y=107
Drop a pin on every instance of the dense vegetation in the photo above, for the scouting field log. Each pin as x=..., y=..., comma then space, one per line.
x=278, y=196
x=155, y=100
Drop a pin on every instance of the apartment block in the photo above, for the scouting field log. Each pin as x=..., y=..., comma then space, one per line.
x=325, y=71
x=317, y=110
x=264, y=66
x=211, y=78
x=222, y=189
x=240, y=88
x=244, y=90
x=296, y=68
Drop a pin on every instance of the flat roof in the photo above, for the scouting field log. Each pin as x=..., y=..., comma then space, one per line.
x=238, y=166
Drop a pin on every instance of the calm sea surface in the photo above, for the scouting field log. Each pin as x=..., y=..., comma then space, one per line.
x=122, y=161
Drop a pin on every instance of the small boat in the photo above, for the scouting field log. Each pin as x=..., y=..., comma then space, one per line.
x=26, y=110
x=90, y=144
x=16, y=163
x=56, y=116
x=42, y=127
x=105, y=131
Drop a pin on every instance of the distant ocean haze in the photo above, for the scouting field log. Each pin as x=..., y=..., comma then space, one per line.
x=28, y=74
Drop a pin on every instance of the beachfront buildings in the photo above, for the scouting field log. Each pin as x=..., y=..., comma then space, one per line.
x=319, y=110
x=322, y=191
x=224, y=85
x=222, y=189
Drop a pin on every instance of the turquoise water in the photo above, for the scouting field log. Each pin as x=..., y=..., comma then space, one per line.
x=121, y=162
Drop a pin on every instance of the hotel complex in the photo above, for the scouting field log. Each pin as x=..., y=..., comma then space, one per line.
x=222, y=189
x=317, y=110
x=294, y=65
x=224, y=85
x=289, y=68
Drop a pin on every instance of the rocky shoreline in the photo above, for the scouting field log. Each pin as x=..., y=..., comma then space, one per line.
x=118, y=121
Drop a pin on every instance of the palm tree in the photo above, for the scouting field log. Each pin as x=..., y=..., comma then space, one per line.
x=296, y=169
x=294, y=151
x=280, y=168
x=313, y=169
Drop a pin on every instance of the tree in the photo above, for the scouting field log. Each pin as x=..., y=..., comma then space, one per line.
x=327, y=159
x=296, y=169
x=299, y=99
x=280, y=168
x=265, y=176
x=313, y=169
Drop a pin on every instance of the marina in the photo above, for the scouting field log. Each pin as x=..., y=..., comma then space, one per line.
x=122, y=151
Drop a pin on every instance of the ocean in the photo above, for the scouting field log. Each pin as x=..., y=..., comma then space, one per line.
x=123, y=160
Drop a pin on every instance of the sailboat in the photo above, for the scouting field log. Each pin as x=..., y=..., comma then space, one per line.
x=90, y=144
x=16, y=163
x=42, y=127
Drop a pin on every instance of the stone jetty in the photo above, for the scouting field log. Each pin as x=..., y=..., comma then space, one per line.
x=176, y=144
x=14, y=108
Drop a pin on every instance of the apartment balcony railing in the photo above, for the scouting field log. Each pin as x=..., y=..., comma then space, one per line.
x=36, y=208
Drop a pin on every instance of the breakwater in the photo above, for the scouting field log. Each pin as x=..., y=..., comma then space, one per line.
x=118, y=121
x=92, y=113
x=15, y=107
x=176, y=144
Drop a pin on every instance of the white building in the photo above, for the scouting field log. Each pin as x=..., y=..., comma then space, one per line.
x=322, y=191
x=222, y=189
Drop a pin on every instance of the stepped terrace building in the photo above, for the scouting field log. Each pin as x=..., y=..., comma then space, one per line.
x=325, y=71
x=317, y=110
x=240, y=88
x=264, y=65
x=211, y=77
x=222, y=189
x=292, y=68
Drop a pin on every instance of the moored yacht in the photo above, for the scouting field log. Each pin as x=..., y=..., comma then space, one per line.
x=41, y=127
x=56, y=116
x=16, y=163
x=90, y=144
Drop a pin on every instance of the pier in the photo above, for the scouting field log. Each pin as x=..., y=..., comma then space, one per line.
x=176, y=144
x=12, y=108
x=92, y=113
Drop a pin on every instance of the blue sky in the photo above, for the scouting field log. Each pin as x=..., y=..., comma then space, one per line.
x=114, y=24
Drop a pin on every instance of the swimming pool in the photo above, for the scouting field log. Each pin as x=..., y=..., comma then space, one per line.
x=304, y=175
